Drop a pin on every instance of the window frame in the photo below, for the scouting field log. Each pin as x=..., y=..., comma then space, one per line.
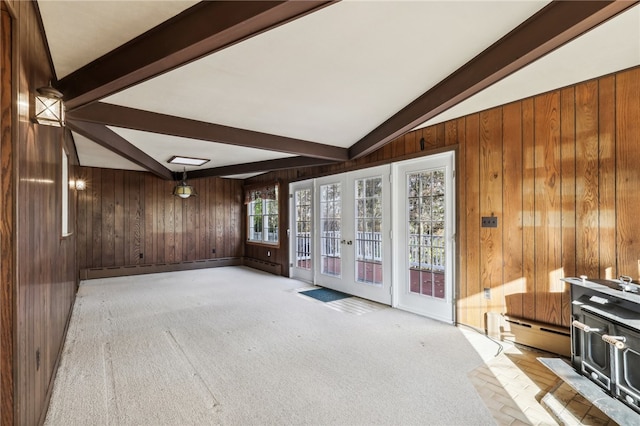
x=250, y=215
x=65, y=222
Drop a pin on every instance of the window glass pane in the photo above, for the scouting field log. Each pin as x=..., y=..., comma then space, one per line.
x=303, y=228
x=369, y=230
x=426, y=213
x=330, y=229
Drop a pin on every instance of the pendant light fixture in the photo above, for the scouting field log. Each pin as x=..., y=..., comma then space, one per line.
x=183, y=189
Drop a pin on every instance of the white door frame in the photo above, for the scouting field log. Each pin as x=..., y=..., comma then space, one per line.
x=294, y=271
x=444, y=310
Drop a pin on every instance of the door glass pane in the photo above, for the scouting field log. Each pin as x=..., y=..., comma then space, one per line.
x=303, y=228
x=426, y=213
x=368, y=222
x=330, y=229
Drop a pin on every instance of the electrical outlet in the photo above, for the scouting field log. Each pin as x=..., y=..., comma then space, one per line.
x=489, y=222
x=141, y=255
x=268, y=253
x=213, y=251
x=487, y=293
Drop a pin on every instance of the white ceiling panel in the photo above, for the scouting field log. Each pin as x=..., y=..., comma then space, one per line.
x=332, y=76
x=80, y=31
x=163, y=147
x=613, y=46
x=91, y=154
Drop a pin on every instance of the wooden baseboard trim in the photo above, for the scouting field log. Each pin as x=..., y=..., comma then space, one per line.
x=119, y=271
x=273, y=268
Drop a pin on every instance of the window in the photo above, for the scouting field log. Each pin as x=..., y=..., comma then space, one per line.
x=262, y=214
x=65, y=193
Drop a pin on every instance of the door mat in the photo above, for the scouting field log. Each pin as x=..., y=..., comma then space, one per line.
x=325, y=294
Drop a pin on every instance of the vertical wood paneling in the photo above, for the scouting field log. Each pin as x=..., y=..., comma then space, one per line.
x=81, y=225
x=568, y=190
x=461, y=230
x=136, y=228
x=587, y=178
x=450, y=133
x=548, y=236
x=160, y=246
x=410, y=143
x=107, y=197
x=219, y=215
x=628, y=172
x=44, y=282
x=169, y=225
x=190, y=227
x=473, y=301
x=128, y=222
x=150, y=229
x=96, y=220
x=398, y=147
x=118, y=222
x=7, y=224
x=607, y=177
x=179, y=226
x=512, y=169
x=140, y=210
x=491, y=205
x=528, y=209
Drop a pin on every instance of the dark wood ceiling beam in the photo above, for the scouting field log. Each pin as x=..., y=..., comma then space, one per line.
x=259, y=167
x=130, y=118
x=553, y=26
x=207, y=27
x=107, y=138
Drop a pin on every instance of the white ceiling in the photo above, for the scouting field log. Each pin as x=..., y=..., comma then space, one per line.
x=329, y=77
x=613, y=46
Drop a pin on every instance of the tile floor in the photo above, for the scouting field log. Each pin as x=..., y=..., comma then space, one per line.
x=513, y=383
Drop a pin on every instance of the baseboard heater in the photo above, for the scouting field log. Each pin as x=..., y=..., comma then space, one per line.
x=273, y=268
x=550, y=338
x=119, y=271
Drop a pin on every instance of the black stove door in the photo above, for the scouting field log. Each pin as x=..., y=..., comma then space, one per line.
x=596, y=354
x=628, y=367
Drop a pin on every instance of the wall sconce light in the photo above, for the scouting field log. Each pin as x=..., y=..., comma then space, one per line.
x=80, y=185
x=49, y=107
x=183, y=189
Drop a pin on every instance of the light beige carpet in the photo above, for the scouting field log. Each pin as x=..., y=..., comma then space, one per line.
x=235, y=346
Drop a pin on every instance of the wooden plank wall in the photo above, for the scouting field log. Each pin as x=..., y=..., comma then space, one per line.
x=45, y=275
x=7, y=222
x=130, y=218
x=558, y=170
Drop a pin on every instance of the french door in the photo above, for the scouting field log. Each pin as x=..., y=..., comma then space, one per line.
x=353, y=250
x=424, y=248
x=341, y=234
x=301, y=230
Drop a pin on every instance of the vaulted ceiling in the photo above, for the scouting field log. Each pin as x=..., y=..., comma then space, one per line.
x=266, y=85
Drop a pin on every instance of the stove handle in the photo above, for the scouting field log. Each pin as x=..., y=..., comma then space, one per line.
x=584, y=327
x=617, y=341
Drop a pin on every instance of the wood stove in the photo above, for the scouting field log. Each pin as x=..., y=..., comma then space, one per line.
x=605, y=335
